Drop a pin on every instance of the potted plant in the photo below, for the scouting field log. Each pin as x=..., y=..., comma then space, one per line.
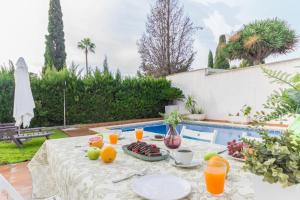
x=195, y=113
x=242, y=117
x=172, y=139
x=172, y=95
x=276, y=160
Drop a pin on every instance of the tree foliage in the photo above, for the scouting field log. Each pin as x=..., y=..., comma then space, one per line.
x=276, y=158
x=55, y=54
x=221, y=61
x=105, y=65
x=98, y=97
x=7, y=93
x=210, y=62
x=285, y=101
x=118, y=75
x=87, y=46
x=167, y=45
x=260, y=39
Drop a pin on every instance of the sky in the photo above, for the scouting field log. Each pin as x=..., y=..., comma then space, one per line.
x=116, y=25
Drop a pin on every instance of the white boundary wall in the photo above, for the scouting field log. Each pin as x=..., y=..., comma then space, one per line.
x=226, y=92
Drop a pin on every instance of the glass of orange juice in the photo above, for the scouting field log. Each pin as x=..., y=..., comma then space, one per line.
x=113, y=138
x=215, y=174
x=139, y=133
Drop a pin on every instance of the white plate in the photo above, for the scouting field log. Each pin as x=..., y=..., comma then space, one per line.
x=161, y=187
x=194, y=163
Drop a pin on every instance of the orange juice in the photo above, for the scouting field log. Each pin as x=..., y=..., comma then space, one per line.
x=215, y=174
x=139, y=134
x=113, y=138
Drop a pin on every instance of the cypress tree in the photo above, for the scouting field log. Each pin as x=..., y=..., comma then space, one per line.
x=221, y=61
x=118, y=75
x=55, y=54
x=210, y=63
x=105, y=66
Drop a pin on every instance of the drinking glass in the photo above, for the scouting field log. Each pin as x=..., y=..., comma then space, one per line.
x=139, y=133
x=215, y=174
x=113, y=138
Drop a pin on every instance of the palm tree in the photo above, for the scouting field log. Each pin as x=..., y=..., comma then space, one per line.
x=88, y=46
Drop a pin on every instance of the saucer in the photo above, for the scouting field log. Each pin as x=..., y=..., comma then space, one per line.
x=157, y=139
x=194, y=163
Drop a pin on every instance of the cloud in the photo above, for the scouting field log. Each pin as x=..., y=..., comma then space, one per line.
x=217, y=24
x=115, y=26
x=231, y=3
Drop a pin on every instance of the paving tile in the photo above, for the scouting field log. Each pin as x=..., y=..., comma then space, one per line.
x=18, y=175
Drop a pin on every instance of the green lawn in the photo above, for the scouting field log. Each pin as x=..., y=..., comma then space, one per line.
x=10, y=153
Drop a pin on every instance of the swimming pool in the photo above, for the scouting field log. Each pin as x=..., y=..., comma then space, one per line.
x=225, y=133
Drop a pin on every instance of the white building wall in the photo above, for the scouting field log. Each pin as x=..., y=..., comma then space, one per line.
x=226, y=92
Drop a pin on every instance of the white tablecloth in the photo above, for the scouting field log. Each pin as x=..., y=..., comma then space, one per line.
x=61, y=168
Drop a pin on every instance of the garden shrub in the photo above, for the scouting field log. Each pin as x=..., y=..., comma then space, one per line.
x=98, y=97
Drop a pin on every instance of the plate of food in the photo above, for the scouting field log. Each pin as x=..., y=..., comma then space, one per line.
x=145, y=151
x=235, y=150
x=157, y=137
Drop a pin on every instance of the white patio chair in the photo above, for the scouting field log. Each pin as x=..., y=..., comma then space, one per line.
x=6, y=186
x=245, y=135
x=207, y=136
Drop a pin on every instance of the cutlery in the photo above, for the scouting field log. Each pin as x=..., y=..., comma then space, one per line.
x=220, y=152
x=141, y=173
x=79, y=146
x=176, y=162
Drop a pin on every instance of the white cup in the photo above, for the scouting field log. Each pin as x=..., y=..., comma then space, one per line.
x=184, y=155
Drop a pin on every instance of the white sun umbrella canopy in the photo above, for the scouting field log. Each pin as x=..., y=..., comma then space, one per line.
x=23, y=100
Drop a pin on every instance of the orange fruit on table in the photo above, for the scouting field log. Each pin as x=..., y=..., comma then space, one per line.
x=108, y=154
x=220, y=159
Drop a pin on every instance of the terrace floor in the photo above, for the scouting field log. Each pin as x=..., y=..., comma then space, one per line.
x=19, y=176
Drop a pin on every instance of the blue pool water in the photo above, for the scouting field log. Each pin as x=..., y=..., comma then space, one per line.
x=225, y=133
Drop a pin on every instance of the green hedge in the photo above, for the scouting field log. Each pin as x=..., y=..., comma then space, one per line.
x=98, y=97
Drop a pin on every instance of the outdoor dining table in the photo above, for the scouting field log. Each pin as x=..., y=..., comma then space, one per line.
x=60, y=168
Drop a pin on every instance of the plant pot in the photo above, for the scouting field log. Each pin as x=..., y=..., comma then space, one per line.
x=171, y=108
x=239, y=119
x=196, y=117
x=264, y=190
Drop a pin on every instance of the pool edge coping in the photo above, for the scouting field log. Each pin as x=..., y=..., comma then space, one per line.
x=232, y=125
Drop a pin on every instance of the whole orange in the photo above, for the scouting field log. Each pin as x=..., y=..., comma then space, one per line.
x=220, y=159
x=108, y=154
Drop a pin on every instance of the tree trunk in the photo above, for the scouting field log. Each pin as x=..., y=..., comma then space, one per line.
x=168, y=37
x=258, y=62
x=86, y=62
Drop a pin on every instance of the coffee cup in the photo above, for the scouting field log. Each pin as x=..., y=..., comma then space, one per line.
x=184, y=156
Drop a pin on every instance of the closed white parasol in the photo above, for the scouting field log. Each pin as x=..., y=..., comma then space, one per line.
x=23, y=100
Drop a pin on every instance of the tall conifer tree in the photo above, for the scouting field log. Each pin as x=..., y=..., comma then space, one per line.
x=210, y=63
x=55, y=54
x=105, y=65
x=221, y=62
